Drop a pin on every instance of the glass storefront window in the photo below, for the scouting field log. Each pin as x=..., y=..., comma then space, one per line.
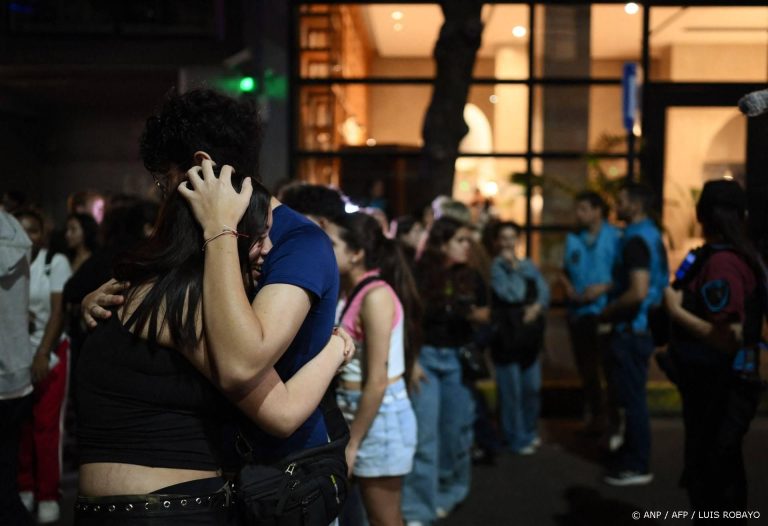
x=547, y=252
x=564, y=49
x=337, y=115
x=506, y=36
x=558, y=181
x=701, y=144
x=398, y=40
x=578, y=119
x=709, y=44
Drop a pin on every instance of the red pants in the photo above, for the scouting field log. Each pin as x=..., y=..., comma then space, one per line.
x=40, y=448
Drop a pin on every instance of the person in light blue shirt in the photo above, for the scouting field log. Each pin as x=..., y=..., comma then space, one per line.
x=520, y=299
x=588, y=267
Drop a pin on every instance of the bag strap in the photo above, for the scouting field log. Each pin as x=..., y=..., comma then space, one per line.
x=359, y=287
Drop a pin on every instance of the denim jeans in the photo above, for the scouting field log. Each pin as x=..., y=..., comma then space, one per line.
x=630, y=354
x=520, y=402
x=388, y=447
x=445, y=411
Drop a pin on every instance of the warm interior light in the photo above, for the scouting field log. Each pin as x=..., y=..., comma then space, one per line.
x=631, y=8
x=397, y=15
x=519, y=31
x=493, y=99
x=371, y=142
x=398, y=27
x=537, y=203
x=489, y=189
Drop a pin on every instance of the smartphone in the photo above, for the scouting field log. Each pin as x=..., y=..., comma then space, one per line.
x=686, y=265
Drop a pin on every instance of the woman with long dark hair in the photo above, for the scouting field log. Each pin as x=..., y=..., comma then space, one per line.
x=82, y=235
x=152, y=391
x=716, y=305
x=454, y=298
x=381, y=306
x=83, y=247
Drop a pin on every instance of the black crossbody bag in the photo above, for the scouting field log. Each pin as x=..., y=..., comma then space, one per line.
x=306, y=488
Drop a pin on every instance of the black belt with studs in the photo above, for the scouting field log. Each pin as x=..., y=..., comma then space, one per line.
x=153, y=502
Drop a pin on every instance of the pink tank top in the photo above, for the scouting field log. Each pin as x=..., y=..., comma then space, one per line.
x=353, y=372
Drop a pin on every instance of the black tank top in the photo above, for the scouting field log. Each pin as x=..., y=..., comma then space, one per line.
x=145, y=405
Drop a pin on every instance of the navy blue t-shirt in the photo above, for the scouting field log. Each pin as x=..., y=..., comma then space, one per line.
x=302, y=255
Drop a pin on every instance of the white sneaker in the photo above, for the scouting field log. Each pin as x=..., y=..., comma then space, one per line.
x=414, y=523
x=628, y=478
x=47, y=511
x=28, y=499
x=530, y=449
x=441, y=513
x=536, y=442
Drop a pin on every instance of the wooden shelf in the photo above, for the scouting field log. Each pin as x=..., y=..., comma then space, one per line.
x=332, y=43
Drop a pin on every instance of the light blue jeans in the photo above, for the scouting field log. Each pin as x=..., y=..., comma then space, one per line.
x=445, y=413
x=520, y=402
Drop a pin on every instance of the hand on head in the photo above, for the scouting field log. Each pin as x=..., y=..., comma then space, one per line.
x=215, y=202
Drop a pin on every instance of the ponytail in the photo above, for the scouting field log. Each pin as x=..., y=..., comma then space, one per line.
x=362, y=232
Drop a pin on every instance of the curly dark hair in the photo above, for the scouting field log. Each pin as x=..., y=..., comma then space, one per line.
x=171, y=260
x=314, y=199
x=229, y=130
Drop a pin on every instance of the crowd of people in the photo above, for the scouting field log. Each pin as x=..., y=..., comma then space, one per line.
x=242, y=358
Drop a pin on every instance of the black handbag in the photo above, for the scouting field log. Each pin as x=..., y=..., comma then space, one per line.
x=513, y=340
x=306, y=488
x=473, y=364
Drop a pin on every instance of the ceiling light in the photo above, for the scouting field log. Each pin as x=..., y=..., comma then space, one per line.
x=398, y=27
x=519, y=31
x=397, y=15
x=631, y=8
x=489, y=189
x=493, y=99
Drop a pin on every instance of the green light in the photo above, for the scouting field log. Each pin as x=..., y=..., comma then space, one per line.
x=276, y=87
x=247, y=84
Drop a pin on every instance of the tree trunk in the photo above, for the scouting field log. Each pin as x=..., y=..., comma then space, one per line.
x=444, y=125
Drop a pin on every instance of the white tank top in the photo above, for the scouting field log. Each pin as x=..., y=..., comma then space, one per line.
x=353, y=372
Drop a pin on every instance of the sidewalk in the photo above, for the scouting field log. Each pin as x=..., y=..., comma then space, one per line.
x=560, y=485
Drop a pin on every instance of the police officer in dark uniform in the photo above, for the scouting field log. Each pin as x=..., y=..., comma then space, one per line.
x=716, y=306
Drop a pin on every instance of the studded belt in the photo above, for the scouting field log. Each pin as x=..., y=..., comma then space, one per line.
x=153, y=503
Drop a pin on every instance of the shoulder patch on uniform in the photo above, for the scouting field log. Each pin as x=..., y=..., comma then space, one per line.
x=716, y=294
